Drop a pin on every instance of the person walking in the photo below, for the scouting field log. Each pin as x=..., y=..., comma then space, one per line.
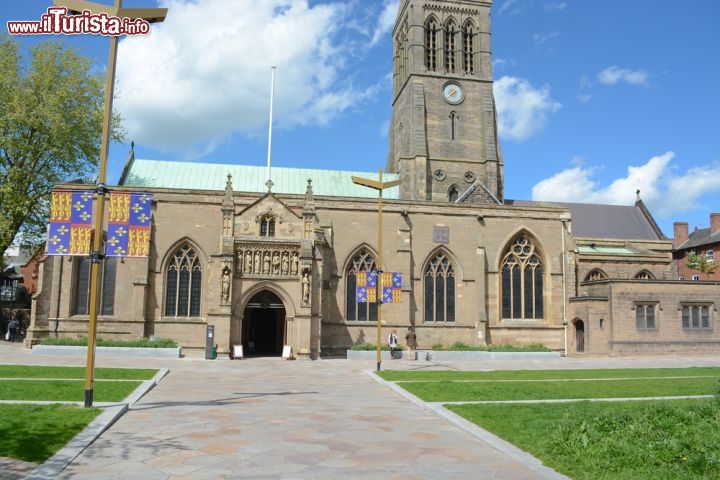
x=12, y=327
x=411, y=340
x=393, y=342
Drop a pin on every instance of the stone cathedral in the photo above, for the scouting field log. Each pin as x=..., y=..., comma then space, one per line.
x=274, y=264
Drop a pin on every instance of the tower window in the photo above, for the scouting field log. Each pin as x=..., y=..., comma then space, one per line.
x=431, y=44
x=450, y=33
x=468, y=49
x=453, y=194
x=453, y=118
x=267, y=226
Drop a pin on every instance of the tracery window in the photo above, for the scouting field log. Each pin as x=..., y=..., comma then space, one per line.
x=267, y=226
x=450, y=35
x=363, y=261
x=595, y=275
x=695, y=317
x=468, y=48
x=183, y=283
x=522, y=281
x=431, y=44
x=644, y=275
x=440, y=289
x=107, y=287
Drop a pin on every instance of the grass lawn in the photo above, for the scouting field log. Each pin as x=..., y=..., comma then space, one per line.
x=441, y=375
x=34, y=433
x=28, y=371
x=673, y=439
x=64, y=390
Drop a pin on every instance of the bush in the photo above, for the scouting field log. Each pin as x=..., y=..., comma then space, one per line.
x=372, y=347
x=464, y=347
x=438, y=347
x=140, y=343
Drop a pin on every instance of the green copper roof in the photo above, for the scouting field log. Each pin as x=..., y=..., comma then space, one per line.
x=606, y=250
x=247, y=178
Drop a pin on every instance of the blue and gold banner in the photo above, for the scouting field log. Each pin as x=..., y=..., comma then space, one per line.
x=366, y=287
x=391, y=283
x=71, y=217
x=128, y=225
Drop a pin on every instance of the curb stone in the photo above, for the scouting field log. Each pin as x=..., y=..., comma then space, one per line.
x=52, y=467
x=494, y=441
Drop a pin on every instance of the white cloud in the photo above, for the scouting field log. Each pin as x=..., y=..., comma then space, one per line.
x=584, y=97
x=508, y=4
x=522, y=108
x=541, y=38
x=195, y=80
x=665, y=192
x=555, y=6
x=386, y=21
x=614, y=74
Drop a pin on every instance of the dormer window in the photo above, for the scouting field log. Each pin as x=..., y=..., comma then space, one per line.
x=267, y=226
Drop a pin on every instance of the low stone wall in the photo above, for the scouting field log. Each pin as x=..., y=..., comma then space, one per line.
x=452, y=356
x=107, y=351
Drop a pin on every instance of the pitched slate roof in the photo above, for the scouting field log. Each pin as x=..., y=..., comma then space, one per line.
x=248, y=178
x=699, y=238
x=621, y=222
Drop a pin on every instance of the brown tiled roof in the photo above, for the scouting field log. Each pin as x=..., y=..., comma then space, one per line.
x=699, y=238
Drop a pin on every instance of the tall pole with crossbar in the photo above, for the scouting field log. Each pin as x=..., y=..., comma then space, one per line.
x=378, y=185
x=151, y=15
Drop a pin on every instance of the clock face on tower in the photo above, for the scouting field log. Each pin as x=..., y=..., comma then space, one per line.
x=453, y=93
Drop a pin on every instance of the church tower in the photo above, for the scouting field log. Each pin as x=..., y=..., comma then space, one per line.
x=443, y=134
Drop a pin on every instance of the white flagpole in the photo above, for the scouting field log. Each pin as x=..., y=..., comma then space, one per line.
x=269, y=153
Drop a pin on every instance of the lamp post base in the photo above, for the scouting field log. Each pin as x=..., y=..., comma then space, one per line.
x=88, y=398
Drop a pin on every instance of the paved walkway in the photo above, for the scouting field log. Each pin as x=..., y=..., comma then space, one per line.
x=272, y=419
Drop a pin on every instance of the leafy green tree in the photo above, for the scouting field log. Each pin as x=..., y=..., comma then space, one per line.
x=50, y=130
x=699, y=262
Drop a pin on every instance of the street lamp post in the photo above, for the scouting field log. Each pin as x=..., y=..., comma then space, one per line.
x=378, y=185
x=151, y=15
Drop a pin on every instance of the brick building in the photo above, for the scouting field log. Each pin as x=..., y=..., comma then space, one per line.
x=703, y=241
x=273, y=264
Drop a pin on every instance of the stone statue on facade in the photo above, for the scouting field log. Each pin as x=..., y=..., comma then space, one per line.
x=226, y=284
x=294, y=269
x=276, y=264
x=285, y=264
x=266, y=264
x=306, y=287
x=257, y=262
x=248, y=262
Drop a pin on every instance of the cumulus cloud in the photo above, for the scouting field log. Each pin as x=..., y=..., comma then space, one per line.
x=523, y=110
x=195, y=80
x=614, y=74
x=386, y=21
x=664, y=191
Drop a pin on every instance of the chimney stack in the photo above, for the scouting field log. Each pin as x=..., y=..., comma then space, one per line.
x=680, y=232
x=714, y=223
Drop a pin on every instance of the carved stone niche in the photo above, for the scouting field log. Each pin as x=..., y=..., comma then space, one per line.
x=267, y=259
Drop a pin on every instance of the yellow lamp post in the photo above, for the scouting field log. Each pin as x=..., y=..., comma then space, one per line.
x=378, y=185
x=151, y=15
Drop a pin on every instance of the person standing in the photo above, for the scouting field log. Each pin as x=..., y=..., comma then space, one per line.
x=12, y=327
x=411, y=340
x=393, y=342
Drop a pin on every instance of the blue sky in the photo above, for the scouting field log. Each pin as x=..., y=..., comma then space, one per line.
x=596, y=99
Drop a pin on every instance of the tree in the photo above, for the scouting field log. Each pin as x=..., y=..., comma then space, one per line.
x=50, y=131
x=699, y=262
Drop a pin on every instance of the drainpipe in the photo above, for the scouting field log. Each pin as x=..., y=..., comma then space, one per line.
x=564, y=261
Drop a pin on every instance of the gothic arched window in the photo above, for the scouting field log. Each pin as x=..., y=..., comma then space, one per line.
x=644, y=275
x=267, y=226
x=107, y=287
x=183, y=283
x=363, y=261
x=522, y=281
x=453, y=194
x=450, y=35
x=440, y=289
x=595, y=274
x=431, y=31
x=468, y=35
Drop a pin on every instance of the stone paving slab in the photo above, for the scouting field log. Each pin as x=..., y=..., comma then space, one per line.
x=268, y=418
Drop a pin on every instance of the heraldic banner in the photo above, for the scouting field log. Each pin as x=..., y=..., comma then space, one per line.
x=391, y=283
x=70, y=228
x=366, y=285
x=128, y=225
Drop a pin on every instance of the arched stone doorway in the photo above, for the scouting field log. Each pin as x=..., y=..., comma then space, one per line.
x=263, y=326
x=579, y=336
